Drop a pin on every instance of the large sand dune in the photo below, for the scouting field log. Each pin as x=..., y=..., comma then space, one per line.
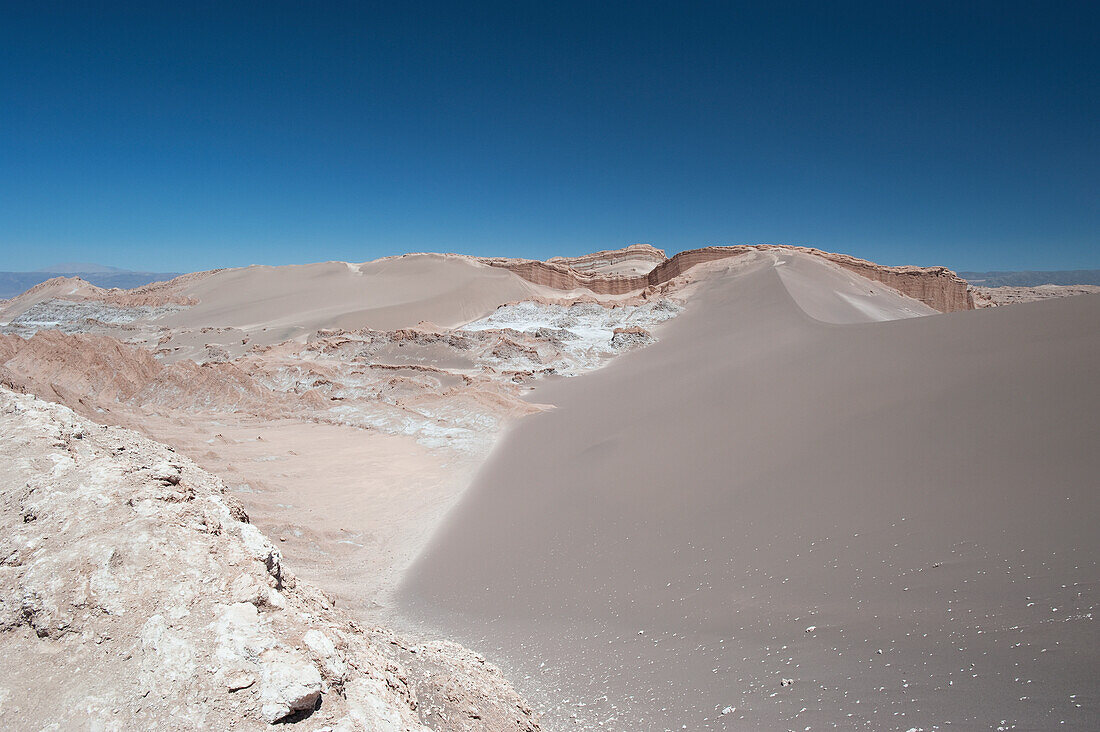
x=398, y=292
x=897, y=515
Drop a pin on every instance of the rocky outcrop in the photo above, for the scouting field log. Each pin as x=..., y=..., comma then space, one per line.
x=73, y=297
x=990, y=297
x=135, y=594
x=937, y=287
x=447, y=388
x=75, y=289
x=93, y=372
x=643, y=256
x=633, y=337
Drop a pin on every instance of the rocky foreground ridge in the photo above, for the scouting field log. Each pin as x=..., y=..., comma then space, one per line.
x=135, y=594
x=937, y=287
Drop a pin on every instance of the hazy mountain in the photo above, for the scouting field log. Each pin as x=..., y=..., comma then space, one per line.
x=1033, y=278
x=14, y=283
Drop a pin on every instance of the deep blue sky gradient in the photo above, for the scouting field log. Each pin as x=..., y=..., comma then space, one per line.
x=191, y=135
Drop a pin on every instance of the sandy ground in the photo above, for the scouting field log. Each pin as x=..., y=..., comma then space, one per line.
x=349, y=508
x=897, y=517
x=273, y=304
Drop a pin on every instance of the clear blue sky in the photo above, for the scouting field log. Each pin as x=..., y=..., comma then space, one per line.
x=223, y=134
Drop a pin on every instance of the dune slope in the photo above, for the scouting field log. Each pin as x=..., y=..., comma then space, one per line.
x=898, y=518
x=398, y=292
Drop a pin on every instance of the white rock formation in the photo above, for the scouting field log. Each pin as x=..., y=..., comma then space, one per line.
x=134, y=594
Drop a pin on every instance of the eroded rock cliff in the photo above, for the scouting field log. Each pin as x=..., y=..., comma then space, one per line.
x=937, y=287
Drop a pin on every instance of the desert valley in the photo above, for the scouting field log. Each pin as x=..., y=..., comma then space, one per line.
x=751, y=487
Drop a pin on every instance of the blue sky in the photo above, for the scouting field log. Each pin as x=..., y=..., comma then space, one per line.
x=225, y=134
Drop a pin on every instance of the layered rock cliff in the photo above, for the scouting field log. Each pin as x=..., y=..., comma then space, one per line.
x=634, y=259
x=937, y=287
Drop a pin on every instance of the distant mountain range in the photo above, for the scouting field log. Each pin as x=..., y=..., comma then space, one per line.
x=1032, y=278
x=14, y=283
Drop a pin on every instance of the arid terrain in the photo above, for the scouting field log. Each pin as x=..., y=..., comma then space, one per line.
x=751, y=487
x=985, y=297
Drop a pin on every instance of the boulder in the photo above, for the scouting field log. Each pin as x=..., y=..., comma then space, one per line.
x=288, y=684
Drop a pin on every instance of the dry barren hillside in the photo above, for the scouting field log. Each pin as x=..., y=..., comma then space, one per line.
x=689, y=459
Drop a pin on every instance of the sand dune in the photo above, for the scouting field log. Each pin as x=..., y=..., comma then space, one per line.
x=832, y=294
x=387, y=294
x=899, y=517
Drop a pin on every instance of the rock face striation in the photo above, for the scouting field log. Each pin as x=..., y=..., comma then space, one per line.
x=937, y=287
x=634, y=259
x=135, y=594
